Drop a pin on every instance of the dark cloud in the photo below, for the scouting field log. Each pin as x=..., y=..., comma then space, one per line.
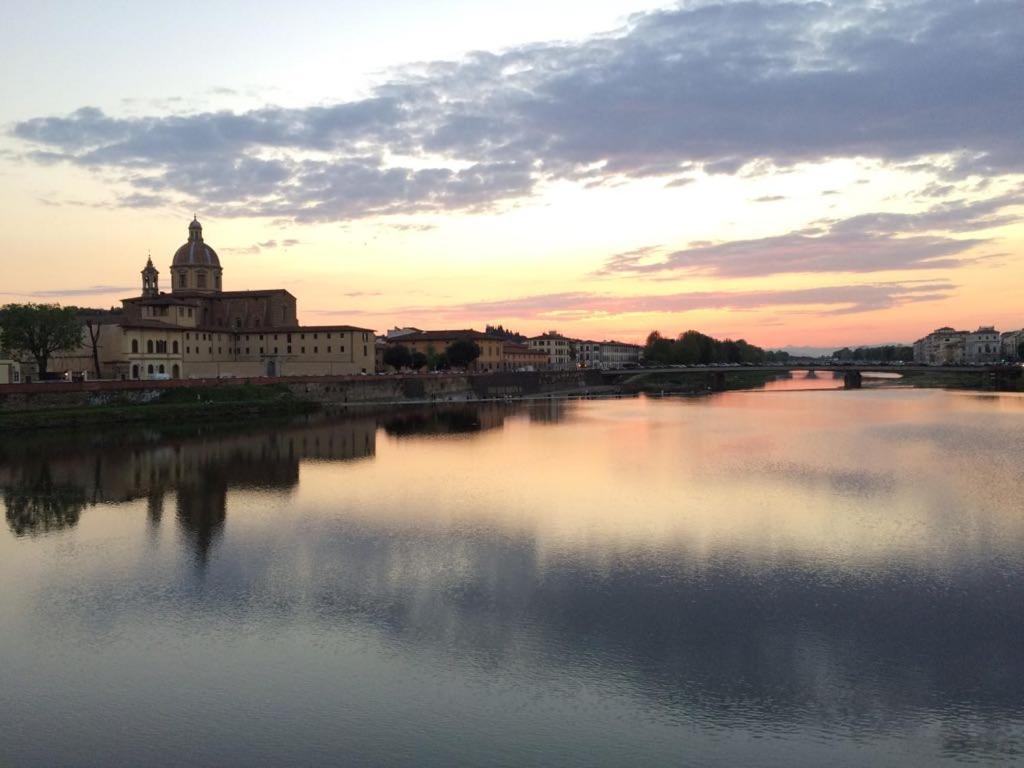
x=826, y=300
x=92, y=290
x=871, y=242
x=737, y=87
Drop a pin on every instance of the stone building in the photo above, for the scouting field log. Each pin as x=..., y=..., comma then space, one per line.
x=560, y=350
x=519, y=357
x=946, y=346
x=200, y=330
x=982, y=346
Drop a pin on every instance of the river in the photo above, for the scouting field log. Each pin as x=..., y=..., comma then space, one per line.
x=768, y=578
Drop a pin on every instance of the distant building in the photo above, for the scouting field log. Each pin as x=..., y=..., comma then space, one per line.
x=616, y=354
x=434, y=343
x=1010, y=344
x=199, y=330
x=606, y=354
x=946, y=346
x=560, y=350
x=10, y=372
x=520, y=356
x=983, y=346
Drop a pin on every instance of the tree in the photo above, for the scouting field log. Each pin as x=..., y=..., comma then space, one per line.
x=94, y=329
x=461, y=353
x=39, y=330
x=1020, y=351
x=418, y=361
x=397, y=356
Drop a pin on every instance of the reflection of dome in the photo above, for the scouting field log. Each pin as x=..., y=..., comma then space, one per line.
x=195, y=252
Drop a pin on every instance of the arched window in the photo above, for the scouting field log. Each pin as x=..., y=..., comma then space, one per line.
x=175, y=372
x=150, y=370
x=135, y=348
x=135, y=371
x=161, y=368
x=149, y=347
x=174, y=347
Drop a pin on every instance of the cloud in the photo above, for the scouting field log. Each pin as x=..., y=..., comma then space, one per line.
x=821, y=301
x=871, y=242
x=266, y=245
x=723, y=87
x=93, y=290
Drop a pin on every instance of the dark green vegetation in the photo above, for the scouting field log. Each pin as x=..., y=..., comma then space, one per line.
x=207, y=404
x=696, y=383
x=461, y=353
x=693, y=347
x=37, y=331
x=976, y=380
x=397, y=356
x=886, y=354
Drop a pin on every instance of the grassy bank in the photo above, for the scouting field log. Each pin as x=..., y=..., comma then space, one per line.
x=174, y=406
x=694, y=382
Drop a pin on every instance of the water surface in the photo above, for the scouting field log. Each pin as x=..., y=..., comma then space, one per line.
x=762, y=578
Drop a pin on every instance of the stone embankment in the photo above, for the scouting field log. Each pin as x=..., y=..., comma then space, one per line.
x=54, y=403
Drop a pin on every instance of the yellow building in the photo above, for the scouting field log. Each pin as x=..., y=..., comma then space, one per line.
x=10, y=372
x=199, y=330
x=433, y=343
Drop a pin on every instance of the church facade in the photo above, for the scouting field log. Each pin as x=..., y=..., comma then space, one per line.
x=199, y=330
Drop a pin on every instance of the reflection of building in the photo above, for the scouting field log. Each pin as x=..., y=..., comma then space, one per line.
x=46, y=485
x=200, y=330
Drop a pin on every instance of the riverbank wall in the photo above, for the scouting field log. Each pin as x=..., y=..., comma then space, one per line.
x=52, y=403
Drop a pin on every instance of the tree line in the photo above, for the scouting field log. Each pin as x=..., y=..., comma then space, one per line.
x=888, y=353
x=696, y=348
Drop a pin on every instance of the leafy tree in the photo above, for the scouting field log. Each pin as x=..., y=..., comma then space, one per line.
x=39, y=330
x=462, y=352
x=1020, y=351
x=418, y=361
x=693, y=347
x=397, y=356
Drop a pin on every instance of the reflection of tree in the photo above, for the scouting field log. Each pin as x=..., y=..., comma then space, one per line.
x=39, y=505
x=436, y=422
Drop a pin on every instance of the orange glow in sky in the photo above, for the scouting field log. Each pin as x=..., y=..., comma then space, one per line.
x=794, y=174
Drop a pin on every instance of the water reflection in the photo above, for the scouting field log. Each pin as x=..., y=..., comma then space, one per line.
x=48, y=480
x=745, y=579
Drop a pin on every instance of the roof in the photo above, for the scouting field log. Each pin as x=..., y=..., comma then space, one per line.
x=304, y=329
x=164, y=299
x=446, y=335
x=195, y=252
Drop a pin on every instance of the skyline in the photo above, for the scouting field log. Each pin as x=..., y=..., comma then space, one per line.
x=796, y=174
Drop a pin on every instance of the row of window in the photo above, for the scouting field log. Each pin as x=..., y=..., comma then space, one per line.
x=158, y=347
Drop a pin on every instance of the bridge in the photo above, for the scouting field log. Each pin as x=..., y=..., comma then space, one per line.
x=1000, y=376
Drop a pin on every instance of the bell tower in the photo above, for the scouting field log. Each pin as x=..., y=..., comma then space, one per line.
x=150, y=280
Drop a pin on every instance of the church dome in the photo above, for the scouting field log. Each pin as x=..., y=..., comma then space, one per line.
x=195, y=253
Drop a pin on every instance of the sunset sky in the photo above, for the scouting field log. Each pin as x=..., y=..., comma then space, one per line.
x=793, y=173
